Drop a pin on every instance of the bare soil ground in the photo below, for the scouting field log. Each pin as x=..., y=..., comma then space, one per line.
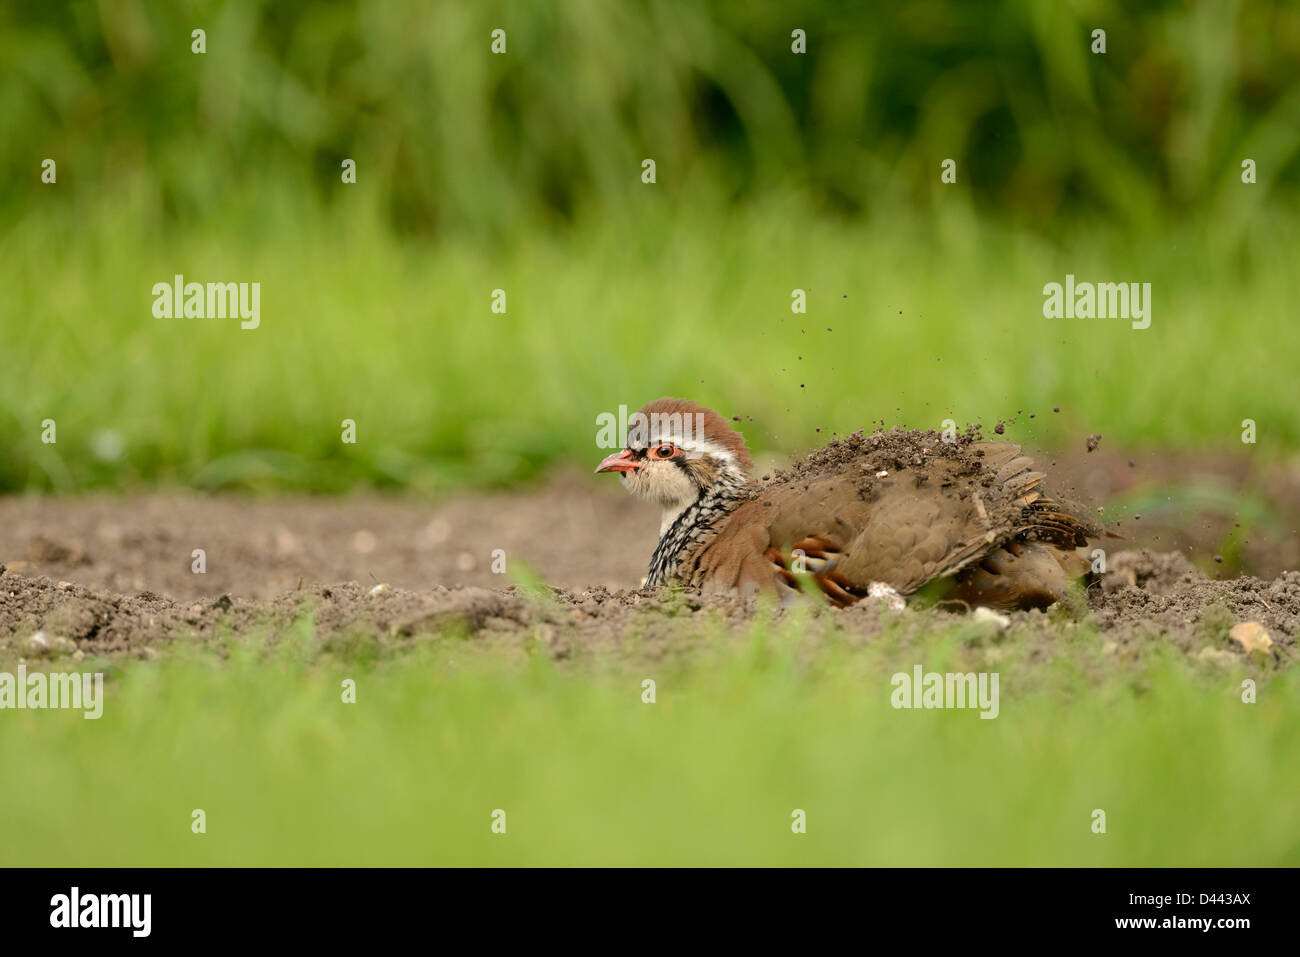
x=113, y=574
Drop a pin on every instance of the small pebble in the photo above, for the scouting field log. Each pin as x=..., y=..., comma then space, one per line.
x=895, y=602
x=1252, y=636
x=993, y=617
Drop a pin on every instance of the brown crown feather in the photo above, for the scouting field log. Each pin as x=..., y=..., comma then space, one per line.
x=716, y=428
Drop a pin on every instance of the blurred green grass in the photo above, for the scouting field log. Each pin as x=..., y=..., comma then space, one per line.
x=521, y=172
x=912, y=324
x=741, y=734
x=458, y=141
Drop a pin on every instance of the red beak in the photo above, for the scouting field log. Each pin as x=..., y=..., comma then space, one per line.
x=619, y=462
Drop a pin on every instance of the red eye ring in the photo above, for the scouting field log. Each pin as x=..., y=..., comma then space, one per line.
x=658, y=451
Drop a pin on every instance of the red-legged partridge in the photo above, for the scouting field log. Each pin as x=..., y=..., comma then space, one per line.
x=894, y=510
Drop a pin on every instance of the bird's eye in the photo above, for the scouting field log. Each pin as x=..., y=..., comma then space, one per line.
x=665, y=451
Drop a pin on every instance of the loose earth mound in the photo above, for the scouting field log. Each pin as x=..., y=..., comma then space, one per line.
x=105, y=575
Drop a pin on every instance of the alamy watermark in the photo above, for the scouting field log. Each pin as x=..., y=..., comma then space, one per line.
x=640, y=430
x=923, y=689
x=214, y=300
x=75, y=909
x=1104, y=300
x=79, y=691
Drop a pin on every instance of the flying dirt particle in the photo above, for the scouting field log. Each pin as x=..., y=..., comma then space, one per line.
x=1033, y=415
x=1218, y=559
x=1056, y=408
x=1094, y=440
x=1132, y=464
x=1137, y=518
x=828, y=329
x=999, y=428
x=800, y=358
x=735, y=418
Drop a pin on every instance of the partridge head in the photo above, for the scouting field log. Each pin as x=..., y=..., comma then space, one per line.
x=689, y=462
x=895, y=510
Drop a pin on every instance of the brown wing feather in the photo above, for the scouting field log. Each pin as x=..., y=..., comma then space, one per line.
x=905, y=529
